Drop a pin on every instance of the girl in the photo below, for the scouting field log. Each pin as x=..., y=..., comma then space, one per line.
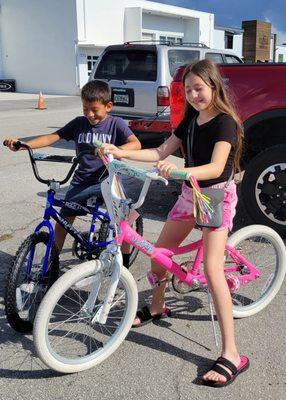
x=217, y=146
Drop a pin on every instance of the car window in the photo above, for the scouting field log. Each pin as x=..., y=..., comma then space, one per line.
x=215, y=57
x=139, y=65
x=231, y=59
x=181, y=57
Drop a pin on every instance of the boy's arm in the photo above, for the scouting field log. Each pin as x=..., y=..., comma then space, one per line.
x=131, y=144
x=43, y=140
x=40, y=141
x=147, y=155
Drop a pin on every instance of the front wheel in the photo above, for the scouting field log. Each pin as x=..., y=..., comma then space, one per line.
x=265, y=250
x=66, y=337
x=25, y=286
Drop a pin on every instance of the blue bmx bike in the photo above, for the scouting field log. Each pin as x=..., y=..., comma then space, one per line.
x=36, y=264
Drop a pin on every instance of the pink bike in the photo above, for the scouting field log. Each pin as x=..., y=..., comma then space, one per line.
x=88, y=312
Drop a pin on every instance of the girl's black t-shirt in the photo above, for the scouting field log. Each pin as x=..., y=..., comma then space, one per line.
x=220, y=128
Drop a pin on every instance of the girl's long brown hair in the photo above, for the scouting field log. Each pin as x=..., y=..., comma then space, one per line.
x=209, y=73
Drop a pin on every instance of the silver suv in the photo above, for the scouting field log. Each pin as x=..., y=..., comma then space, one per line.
x=140, y=74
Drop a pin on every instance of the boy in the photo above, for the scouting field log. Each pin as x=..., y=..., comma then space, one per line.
x=95, y=124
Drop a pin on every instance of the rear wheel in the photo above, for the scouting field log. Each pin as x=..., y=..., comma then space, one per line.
x=25, y=289
x=264, y=248
x=66, y=337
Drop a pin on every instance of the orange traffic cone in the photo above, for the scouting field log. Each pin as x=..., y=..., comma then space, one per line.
x=41, y=102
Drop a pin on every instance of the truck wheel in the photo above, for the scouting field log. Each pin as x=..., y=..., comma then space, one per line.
x=264, y=188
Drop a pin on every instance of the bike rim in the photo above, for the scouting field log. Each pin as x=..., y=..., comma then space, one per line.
x=71, y=336
x=261, y=252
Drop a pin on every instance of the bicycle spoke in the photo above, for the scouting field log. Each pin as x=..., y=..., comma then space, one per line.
x=72, y=332
x=254, y=249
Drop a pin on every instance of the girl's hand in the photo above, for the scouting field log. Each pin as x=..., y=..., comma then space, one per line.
x=165, y=168
x=9, y=142
x=107, y=148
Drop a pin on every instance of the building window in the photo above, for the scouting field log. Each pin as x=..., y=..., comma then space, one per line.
x=91, y=60
x=228, y=39
x=171, y=39
x=280, y=57
x=148, y=36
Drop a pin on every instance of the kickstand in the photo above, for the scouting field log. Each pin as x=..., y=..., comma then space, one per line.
x=210, y=300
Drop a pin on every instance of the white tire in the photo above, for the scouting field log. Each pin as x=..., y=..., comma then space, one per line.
x=263, y=247
x=61, y=301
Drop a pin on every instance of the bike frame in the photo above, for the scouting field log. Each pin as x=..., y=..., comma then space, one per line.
x=51, y=212
x=163, y=257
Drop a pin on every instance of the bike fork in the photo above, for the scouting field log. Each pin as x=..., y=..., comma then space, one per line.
x=91, y=300
x=102, y=313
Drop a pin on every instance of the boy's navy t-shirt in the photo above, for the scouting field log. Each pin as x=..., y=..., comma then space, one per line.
x=91, y=169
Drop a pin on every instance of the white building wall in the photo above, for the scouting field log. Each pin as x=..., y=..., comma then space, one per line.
x=207, y=35
x=280, y=50
x=192, y=30
x=163, y=24
x=124, y=16
x=132, y=24
x=219, y=41
x=38, y=40
x=45, y=44
x=237, y=44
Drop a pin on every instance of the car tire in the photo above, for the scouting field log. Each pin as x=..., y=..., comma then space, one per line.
x=263, y=188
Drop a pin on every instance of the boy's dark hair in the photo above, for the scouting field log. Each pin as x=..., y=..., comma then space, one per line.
x=96, y=91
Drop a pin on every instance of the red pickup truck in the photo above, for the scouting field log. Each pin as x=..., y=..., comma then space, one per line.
x=259, y=94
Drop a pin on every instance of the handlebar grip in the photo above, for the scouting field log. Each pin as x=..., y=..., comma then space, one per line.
x=97, y=142
x=16, y=145
x=182, y=175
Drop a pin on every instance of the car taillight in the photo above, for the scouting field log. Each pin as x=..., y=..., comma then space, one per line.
x=163, y=96
x=177, y=103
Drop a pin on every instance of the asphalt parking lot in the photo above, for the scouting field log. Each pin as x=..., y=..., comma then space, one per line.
x=158, y=361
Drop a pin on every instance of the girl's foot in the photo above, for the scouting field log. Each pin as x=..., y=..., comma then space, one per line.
x=216, y=377
x=145, y=316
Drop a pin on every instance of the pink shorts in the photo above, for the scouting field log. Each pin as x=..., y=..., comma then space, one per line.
x=183, y=209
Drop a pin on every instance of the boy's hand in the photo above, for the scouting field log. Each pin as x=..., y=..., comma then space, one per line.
x=107, y=148
x=165, y=168
x=9, y=142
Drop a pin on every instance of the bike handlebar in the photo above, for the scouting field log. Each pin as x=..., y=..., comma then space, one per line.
x=141, y=174
x=51, y=158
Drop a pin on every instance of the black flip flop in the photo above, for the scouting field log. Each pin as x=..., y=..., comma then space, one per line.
x=243, y=366
x=145, y=316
